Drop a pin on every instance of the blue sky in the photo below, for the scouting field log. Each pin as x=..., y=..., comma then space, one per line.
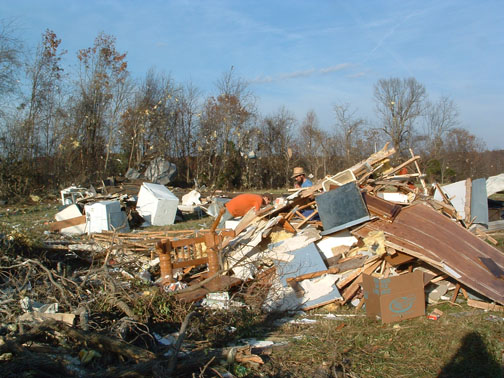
x=304, y=55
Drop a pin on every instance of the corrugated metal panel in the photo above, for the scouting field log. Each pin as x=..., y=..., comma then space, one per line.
x=443, y=242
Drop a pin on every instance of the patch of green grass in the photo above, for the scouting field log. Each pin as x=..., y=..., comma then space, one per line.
x=463, y=342
x=28, y=219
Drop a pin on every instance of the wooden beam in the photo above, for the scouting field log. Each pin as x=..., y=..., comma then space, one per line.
x=485, y=305
x=467, y=207
x=59, y=225
x=401, y=166
x=455, y=293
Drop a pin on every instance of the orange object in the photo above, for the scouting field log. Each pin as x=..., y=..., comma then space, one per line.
x=241, y=204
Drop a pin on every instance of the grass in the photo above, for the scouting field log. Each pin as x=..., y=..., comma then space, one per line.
x=463, y=342
x=29, y=219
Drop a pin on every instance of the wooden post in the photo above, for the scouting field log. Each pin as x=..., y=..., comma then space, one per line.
x=455, y=293
x=213, y=257
x=163, y=248
x=467, y=207
x=213, y=261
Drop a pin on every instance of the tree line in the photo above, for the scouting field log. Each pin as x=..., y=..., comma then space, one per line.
x=62, y=126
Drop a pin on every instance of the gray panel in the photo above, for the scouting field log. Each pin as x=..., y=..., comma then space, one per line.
x=479, y=201
x=341, y=206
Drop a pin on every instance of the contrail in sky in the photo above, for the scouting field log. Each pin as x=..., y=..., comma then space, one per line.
x=296, y=74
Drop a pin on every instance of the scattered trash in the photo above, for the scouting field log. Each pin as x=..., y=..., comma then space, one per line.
x=435, y=314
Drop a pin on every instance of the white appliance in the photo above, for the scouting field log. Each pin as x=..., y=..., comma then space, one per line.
x=105, y=216
x=156, y=204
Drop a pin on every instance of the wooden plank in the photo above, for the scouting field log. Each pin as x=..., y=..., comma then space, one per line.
x=484, y=235
x=369, y=268
x=351, y=290
x=195, y=262
x=467, y=206
x=59, y=225
x=220, y=283
x=308, y=218
x=246, y=220
x=287, y=226
x=332, y=270
x=455, y=293
x=439, y=278
x=401, y=166
x=380, y=207
x=377, y=157
x=308, y=308
x=399, y=258
x=485, y=305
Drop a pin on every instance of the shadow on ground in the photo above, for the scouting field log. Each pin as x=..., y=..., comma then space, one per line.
x=472, y=360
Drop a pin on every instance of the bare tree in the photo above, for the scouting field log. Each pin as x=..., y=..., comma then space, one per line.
x=102, y=70
x=144, y=125
x=310, y=136
x=463, y=151
x=348, y=129
x=187, y=124
x=44, y=75
x=223, y=125
x=277, y=137
x=10, y=59
x=399, y=103
x=440, y=118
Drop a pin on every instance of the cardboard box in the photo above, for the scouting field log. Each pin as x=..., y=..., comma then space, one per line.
x=394, y=298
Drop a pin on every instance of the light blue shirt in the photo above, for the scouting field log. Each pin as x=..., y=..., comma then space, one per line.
x=306, y=183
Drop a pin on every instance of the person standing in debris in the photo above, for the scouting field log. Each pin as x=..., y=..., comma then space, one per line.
x=241, y=204
x=300, y=179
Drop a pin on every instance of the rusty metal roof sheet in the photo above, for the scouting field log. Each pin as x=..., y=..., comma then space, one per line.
x=435, y=238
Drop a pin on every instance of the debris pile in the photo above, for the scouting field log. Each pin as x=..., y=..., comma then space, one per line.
x=374, y=236
x=346, y=240
x=321, y=244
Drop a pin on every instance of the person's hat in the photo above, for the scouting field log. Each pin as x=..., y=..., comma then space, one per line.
x=298, y=171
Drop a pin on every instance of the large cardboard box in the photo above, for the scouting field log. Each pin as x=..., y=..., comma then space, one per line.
x=156, y=204
x=394, y=298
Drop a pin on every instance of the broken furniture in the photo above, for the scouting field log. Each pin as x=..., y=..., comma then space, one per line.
x=193, y=252
x=379, y=225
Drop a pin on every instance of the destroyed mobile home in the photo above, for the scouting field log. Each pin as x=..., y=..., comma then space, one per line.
x=367, y=237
